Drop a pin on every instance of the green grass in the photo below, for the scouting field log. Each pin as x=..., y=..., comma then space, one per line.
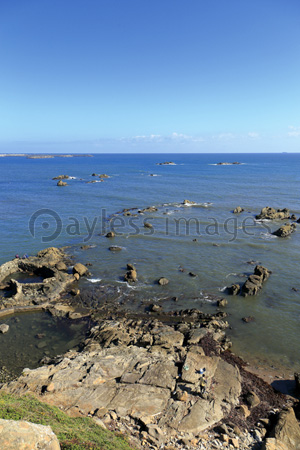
x=74, y=433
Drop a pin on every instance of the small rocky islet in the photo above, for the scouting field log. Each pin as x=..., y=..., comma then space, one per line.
x=168, y=380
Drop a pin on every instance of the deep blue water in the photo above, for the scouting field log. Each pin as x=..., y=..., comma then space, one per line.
x=261, y=180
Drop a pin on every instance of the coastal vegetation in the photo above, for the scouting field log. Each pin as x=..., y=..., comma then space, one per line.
x=74, y=433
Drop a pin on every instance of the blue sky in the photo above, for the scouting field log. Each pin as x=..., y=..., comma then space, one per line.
x=149, y=76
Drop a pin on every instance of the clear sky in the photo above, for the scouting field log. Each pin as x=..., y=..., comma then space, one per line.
x=149, y=75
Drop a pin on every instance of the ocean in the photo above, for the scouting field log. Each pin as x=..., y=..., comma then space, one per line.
x=206, y=239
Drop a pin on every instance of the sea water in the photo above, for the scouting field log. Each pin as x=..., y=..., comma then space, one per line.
x=206, y=239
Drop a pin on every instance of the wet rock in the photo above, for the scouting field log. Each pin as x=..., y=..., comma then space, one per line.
x=238, y=210
x=192, y=274
x=76, y=276
x=61, y=177
x=286, y=230
x=62, y=183
x=4, y=328
x=293, y=217
x=24, y=435
x=80, y=269
x=254, y=282
x=131, y=276
x=155, y=308
x=188, y=202
x=250, y=288
x=262, y=272
x=248, y=319
x=148, y=225
x=130, y=266
x=110, y=234
x=272, y=214
x=115, y=248
x=234, y=289
x=222, y=302
x=163, y=281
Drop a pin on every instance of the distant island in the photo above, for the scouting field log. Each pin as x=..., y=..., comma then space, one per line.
x=227, y=163
x=39, y=156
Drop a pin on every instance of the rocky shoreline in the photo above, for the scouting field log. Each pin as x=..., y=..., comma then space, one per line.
x=167, y=380
x=143, y=376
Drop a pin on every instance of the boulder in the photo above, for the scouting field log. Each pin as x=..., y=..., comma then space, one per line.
x=110, y=234
x=4, y=328
x=250, y=288
x=148, y=225
x=80, y=269
x=272, y=213
x=285, y=230
x=285, y=434
x=234, y=289
x=130, y=266
x=21, y=435
x=238, y=210
x=61, y=266
x=155, y=308
x=163, y=281
x=262, y=271
x=254, y=282
x=222, y=302
x=131, y=276
x=252, y=399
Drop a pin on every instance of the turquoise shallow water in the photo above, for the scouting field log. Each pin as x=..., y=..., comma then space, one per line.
x=33, y=209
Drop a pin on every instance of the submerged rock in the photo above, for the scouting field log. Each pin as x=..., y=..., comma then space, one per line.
x=238, y=210
x=148, y=225
x=115, y=248
x=163, y=281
